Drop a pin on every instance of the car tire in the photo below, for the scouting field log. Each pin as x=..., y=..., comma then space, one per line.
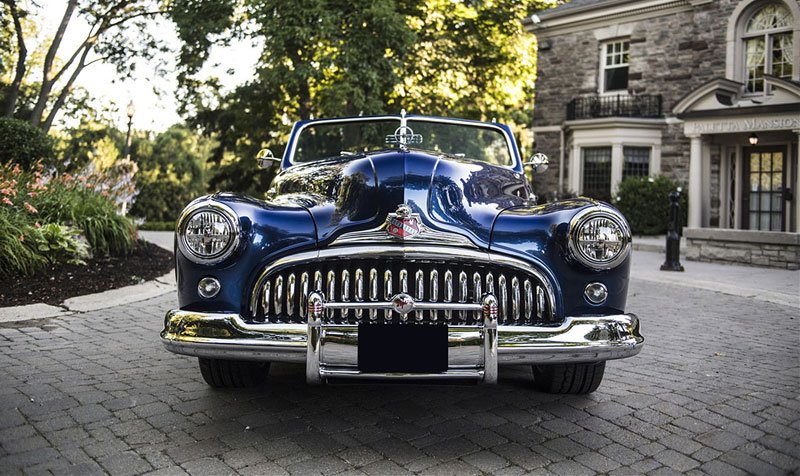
x=575, y=379
x=220, y=373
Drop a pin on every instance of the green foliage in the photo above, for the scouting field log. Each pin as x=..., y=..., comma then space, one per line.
x=645, y=203
x=107, y=232
x=171, y=173
x=60, y=244
x=23, y=144
x=17, y=256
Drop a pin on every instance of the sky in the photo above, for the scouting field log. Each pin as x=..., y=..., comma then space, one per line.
x=152, y=95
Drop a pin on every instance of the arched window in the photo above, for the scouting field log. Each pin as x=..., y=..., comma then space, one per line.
x=768, y=46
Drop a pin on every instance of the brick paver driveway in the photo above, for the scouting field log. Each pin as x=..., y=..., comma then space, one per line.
x=715, y=390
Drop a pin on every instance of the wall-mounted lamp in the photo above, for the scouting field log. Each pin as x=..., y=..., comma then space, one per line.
x=753, y=139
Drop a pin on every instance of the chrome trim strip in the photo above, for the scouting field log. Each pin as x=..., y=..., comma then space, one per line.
x=425, y=235
x=411, y=252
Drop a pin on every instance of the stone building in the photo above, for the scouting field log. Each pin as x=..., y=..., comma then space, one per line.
x=704, y=91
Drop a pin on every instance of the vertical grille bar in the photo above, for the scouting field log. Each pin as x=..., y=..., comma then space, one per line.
x=448, y=292
x=434, y=280
x=463, y=293
x=501, y=283
x=290, y=294
x=404, y=288
x=540, y=303
x=528, y=300
x=419, y=284
x=278, y=296
x=359, y=290
x=478, y=293
x=515, y=298
x=345, y=291
x=318, y=280
x=303, y=295
x=266, y=297
x=387, y=292
x=373, y=291
x=331, y=294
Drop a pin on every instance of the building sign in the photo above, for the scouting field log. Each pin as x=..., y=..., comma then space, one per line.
x=741, y=125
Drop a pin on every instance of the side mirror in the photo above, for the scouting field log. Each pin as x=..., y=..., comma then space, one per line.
x=266, y=160
x=538, y=163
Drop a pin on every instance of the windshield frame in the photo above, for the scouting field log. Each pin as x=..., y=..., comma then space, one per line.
x=288, y=156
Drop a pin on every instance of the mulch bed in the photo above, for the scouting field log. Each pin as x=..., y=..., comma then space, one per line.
x=54, y=284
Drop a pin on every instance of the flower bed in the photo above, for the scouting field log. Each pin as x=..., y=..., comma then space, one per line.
x=48, y=218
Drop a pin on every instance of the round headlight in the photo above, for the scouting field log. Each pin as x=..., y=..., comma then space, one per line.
x=208, y=232
x=599, y=239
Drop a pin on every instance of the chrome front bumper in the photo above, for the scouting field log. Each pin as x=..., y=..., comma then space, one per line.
x=331, y=350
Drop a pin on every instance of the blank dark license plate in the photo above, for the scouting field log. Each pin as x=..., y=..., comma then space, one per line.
x=402, y=348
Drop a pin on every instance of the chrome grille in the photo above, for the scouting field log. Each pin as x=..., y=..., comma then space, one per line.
x=523, y=298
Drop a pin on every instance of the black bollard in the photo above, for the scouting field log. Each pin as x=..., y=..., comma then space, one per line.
x=673, y=261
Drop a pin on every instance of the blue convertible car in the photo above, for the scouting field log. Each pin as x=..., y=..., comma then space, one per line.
x=402, y=247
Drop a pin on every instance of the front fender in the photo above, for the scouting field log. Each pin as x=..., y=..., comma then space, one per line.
x=268, y=230
x=541, y=234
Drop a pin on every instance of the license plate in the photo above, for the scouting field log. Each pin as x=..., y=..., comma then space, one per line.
x=404, y=348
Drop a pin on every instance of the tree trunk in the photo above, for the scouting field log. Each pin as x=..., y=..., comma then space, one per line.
x=47, y=80
x=62, y=96
x=22, y=54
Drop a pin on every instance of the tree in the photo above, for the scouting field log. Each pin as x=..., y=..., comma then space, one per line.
x=118, y=34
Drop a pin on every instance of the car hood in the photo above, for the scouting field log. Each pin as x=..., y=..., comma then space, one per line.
x=358, y=192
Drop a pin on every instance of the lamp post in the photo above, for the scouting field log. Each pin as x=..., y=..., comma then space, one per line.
x=130, y=111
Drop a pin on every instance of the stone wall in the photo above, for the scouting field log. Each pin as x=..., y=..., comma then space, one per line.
x=757, y=248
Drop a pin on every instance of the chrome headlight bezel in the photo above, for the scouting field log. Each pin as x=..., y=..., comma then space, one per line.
x=228, y=215
x=581, y=219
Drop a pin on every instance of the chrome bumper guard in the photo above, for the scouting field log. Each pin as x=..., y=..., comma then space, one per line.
x=330, y=351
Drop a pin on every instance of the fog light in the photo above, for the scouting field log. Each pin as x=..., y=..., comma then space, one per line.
x=208, y=287
x=596, y=293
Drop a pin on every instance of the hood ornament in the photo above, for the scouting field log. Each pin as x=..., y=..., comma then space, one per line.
x=403, y=224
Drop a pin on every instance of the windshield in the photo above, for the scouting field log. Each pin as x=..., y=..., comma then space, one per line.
x=332, y=139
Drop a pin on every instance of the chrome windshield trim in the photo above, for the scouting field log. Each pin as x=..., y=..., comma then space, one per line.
x=408, y=252
x=411, y=117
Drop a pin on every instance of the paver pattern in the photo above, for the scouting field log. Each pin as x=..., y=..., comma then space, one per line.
x=715, y=390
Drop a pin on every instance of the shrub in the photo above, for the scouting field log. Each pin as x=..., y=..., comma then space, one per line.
x=17, y=255
x=23, y=144
x=60, y=244
x=75, y=202
x=645, y=203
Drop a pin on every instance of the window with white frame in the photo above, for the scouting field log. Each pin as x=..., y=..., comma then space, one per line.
x=597, y=172
x=637, y=161
x=768, y=46
x=614, y=66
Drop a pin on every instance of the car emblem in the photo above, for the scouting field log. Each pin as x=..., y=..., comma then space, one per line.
x=403, y=224
x=403, y=303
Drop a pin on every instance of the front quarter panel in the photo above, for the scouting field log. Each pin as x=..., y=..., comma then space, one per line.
x=540, y=234
x=268, y=231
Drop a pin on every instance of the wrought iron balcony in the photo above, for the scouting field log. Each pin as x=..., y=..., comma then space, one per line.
x=594, y=107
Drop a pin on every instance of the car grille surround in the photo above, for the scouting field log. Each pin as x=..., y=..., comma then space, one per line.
x=280, y=294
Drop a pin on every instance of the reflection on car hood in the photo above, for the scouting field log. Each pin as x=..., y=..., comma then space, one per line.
x=356, y=193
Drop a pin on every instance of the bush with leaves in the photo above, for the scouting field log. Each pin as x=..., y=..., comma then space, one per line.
x=645, y=203
x=23, y=144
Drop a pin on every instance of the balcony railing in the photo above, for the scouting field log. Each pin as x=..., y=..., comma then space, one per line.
x=594, y=107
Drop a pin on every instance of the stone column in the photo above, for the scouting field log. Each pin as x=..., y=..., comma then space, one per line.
x=617, y=163
x=796, y=185
x=696, y=181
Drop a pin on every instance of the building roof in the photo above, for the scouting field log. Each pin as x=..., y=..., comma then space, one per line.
x=576, y=5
